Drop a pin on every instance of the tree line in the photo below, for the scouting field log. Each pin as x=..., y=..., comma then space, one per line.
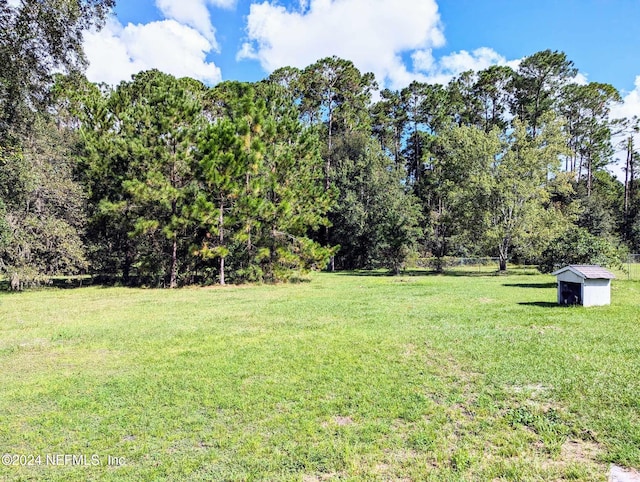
x=167, y=181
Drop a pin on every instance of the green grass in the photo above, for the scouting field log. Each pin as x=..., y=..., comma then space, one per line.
x=348, y=377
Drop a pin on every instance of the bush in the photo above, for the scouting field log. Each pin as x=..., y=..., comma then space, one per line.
x=578, y=246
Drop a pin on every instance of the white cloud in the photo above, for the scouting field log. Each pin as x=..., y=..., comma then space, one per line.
x=480, y=59
x=374, y=34
x=117, y=52
x=581, y=79
x=423, y=60
x=449, y=66
x=630, y=105
x=194, y=13
x=628, y=108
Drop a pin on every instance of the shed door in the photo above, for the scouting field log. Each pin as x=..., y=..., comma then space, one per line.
x=570, y=293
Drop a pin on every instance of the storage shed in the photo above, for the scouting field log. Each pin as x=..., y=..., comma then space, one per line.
x=584, y=285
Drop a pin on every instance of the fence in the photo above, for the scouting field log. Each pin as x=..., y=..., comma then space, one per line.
x=630, y=270
x=633, y=267
x=469, y=265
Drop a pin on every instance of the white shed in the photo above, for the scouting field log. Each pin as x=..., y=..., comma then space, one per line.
x=584, y=285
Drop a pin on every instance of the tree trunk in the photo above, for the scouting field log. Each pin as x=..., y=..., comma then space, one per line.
x=503, y=263
x=589, y=176
x=173, y=276
x=15, y=282
x=503, y=253
x=627, y=171
x=221, y=228
x=126, y=268
x=173, y=282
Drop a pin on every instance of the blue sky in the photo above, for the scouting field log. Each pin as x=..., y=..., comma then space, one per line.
x=399, y=40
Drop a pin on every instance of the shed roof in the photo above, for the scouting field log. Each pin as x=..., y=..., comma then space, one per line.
x=587, y=271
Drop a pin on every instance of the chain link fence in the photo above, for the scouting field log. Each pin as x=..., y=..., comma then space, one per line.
x=633, y=267
x=630, y=271
x=451, y=264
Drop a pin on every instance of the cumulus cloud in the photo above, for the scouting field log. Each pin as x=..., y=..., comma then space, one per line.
x=630, y=105
x=117, y=52
x=374, y=34
x=628, y=108
x=449, y=66
x=194, y=13
x=581, y=79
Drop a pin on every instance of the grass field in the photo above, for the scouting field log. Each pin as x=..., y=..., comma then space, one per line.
x=347, y=377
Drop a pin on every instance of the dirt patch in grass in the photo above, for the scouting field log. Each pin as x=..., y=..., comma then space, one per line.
x=580, y=451
x=320, y=477
x=409, y=350
x=342, y=421
x=576, y=453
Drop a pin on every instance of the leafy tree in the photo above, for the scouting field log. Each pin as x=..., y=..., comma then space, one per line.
x=463, y=104
x=104, y=164
x=36, y=39
x=263, y=187
x=161, y=117
x=138, y=146
x=376, y=221
x=425, y=106
x=295, y=201
x=587, y=108
x=537, y=85
x=493, y=89
x=631, y=200
x=453, y=187
x=43, y=211
x=335, y=98
x=336, y=95
x=494, y=192
x=41, y=206
x=222, y=165
x=578, y=246
x=389, y=123
x=601, y=212
x=519, y=201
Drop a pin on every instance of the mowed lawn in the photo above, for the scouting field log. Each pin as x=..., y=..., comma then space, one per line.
x=346, y=377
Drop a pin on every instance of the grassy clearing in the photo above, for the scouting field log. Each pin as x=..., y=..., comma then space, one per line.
x=347, y=377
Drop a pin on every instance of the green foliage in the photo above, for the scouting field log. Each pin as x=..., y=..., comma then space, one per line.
x=36, y=39
x=261, y=187
x=139, y=141
x=520, y=209
x=376, y=222
x=579, y=246
x=586, y=109
x=601, y=212
x=186, y=183
x=42, y=208
x=537, y=85
x=493, y=192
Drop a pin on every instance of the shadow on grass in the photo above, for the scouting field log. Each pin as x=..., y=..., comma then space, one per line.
x=541, y=304
x=531, y=285
x=454, y=273
x=411, y=272
x=78, y=282
x=58, y=283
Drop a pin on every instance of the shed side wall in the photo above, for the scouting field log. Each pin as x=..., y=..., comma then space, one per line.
x=596, y=292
